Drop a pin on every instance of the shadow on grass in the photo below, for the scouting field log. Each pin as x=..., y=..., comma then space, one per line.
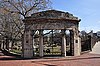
x=9, y=56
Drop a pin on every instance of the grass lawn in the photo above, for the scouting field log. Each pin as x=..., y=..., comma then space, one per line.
x=16, y=51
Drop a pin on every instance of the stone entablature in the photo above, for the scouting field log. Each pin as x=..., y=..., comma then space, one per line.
x=54, y=14
x=51, y=19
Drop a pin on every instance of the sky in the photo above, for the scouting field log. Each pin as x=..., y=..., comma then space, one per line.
x=86, y=10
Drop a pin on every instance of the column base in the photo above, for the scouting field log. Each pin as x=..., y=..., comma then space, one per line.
x=63, y=54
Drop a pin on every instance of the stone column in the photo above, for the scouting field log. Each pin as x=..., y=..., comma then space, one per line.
x=75, y=43
x=33, y=35
x=91, y=41
x=7, y=44
x=41, y=43
x=63, y=46
x=1, y=44
x=27, y=45
x=72, y=42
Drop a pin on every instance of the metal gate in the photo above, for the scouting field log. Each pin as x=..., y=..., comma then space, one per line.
x=52, y=43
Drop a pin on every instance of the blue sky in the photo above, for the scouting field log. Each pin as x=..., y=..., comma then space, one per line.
x=87, y=10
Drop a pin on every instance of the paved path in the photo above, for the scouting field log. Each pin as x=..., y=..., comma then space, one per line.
x=1, y=54
x=96, y=48
x=88, y=59
x=83, y=60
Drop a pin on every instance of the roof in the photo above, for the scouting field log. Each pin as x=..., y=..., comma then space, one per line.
x=52, y=14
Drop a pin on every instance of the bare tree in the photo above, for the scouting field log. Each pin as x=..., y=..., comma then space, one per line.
x=25, y=7
x=10, y=26
x=13, y=11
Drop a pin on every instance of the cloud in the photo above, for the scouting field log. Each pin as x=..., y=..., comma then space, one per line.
x=98, y=22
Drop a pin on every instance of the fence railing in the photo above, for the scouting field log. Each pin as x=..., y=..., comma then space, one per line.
x=88, y=41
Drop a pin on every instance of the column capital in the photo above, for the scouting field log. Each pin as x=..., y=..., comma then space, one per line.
x=63, y=32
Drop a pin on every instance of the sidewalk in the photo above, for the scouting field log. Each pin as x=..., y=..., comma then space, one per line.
x=96, y=48
x=83, y=60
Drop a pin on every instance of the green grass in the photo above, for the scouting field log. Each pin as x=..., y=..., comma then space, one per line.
x=16, y=51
